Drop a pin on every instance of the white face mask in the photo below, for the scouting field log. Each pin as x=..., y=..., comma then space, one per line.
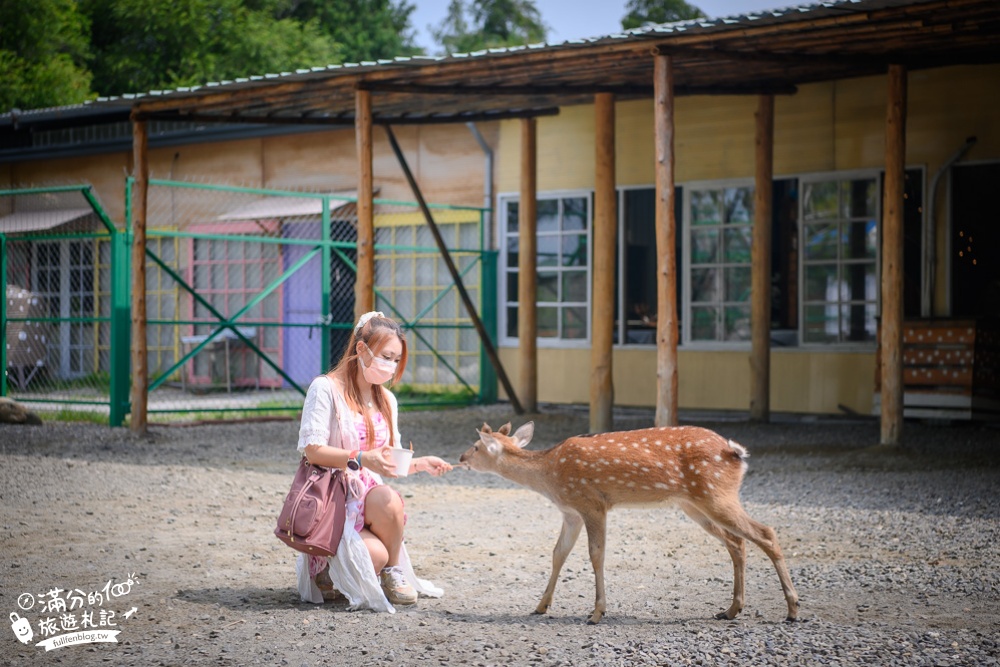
x=380, y=370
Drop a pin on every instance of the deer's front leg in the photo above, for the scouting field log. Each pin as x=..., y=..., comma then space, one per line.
x=572, y=523
x=596, y=532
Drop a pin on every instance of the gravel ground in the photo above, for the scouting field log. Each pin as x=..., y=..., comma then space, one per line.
x=893, y=552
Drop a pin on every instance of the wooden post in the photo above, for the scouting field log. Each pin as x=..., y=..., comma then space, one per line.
x=666, y=227
x=527, y=272
x=892, y=258
x=605, y=237
x=760, y=272
x=364, y=286
x=140, y=371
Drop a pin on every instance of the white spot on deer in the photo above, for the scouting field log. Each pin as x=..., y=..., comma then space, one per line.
x=687, y=445
x=718, y=474
x=611, y=478
x=691, y=467
x=659, y=464
x=660, y=485
x=681, y=475
x=710, y=485
x=562, y=460
x=631, y=484
x=718, y=458
x=645, y=487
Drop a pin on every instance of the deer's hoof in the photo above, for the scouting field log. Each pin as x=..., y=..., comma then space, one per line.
x=595, y=618
x=540, y=610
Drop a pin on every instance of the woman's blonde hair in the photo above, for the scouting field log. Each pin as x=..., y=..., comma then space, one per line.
x=374, y=332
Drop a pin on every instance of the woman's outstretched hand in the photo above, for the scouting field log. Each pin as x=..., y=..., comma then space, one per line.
x=432, y=465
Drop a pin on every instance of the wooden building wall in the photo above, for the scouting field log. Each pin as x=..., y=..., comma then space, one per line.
x=445, y=159
x=825, y=127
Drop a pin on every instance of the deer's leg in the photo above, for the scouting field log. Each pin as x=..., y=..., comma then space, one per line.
x=572, y=523
x=596, y=533
x=733, y=518
x=736, y=546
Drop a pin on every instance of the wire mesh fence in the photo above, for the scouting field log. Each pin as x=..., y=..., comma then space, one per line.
x=59, y=254
x=250, y=295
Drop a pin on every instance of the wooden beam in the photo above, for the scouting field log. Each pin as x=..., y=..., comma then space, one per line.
x=349, y=120
x=892, y=258
x=574, y=90
x=666, y=226
x=602, y=325
x=364, y=285
x=760, y=270
x=139, y=394
x=527, y=271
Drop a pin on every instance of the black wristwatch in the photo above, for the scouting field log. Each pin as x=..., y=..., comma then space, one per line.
x=354, y=461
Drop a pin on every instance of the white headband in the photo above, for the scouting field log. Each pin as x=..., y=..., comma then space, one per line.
x=363, y=320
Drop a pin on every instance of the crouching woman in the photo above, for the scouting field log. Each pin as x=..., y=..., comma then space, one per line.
x=349, y=421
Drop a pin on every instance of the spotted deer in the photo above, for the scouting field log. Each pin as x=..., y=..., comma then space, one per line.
x=587, y=475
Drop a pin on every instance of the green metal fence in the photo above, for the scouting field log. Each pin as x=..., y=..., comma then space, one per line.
x=65, y=313
x=249, y=295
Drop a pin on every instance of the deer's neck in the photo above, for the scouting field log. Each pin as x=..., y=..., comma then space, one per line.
x=526, y=468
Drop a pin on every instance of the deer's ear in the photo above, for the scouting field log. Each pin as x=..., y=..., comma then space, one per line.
x=492, y=446
x=486, y=428
x=522, y=436
x=505, y=429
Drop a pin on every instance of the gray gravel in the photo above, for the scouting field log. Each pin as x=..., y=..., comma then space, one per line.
x=893, y=551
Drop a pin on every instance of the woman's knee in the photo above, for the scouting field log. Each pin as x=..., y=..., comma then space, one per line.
x=383, y=502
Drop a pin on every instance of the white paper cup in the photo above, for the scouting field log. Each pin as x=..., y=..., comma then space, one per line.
x=402, y=459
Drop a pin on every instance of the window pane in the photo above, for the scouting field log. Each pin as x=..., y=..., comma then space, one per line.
x=548, y=215
x=859, y=281
x=858, y=198
x=512, y=285
x=548, y=286
x=548, y=326
x=574, y=286
x=704, y=246
x=821, y=282
x=512, y=321
x=512, y=251
x=548, y=250
x=574, y=324
x=821, y=241
x=704, y=285
x=574, y=214
x=820, y=324
x=739, y=205
x=512, y=213
x=705, y=207
x=737, y=241
x=736, y=320
x=860, y=240
x=820, y=200
x=858, y=321
x=704, y=323
x=574, y=250
x=737, y=283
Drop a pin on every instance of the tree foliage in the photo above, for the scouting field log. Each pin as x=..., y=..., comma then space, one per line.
x=56, y=52
x=142, y=45
x=641, y=12
x=366, y=29
x=43, y=54
x=484, y=24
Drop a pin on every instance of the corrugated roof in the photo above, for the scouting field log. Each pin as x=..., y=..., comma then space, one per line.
x=761, y=52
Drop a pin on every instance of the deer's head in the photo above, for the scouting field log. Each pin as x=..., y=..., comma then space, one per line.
x=484, y=454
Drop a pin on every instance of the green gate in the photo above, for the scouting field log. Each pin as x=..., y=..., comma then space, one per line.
x=65, y=313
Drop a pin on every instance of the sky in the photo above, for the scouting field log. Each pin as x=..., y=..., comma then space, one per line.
x=573, y=19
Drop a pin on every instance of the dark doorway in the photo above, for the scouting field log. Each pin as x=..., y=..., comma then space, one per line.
x=975, y=236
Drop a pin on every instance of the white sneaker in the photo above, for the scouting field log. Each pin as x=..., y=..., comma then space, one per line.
x=395, y=586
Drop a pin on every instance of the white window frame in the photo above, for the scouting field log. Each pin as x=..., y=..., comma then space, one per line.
x=505, y=301
x=66, y=350
x=838, y=176
x=686, y=263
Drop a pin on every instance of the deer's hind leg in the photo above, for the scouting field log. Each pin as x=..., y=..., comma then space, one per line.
x=732, y=518
x=571, y=526
x=736, y=546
